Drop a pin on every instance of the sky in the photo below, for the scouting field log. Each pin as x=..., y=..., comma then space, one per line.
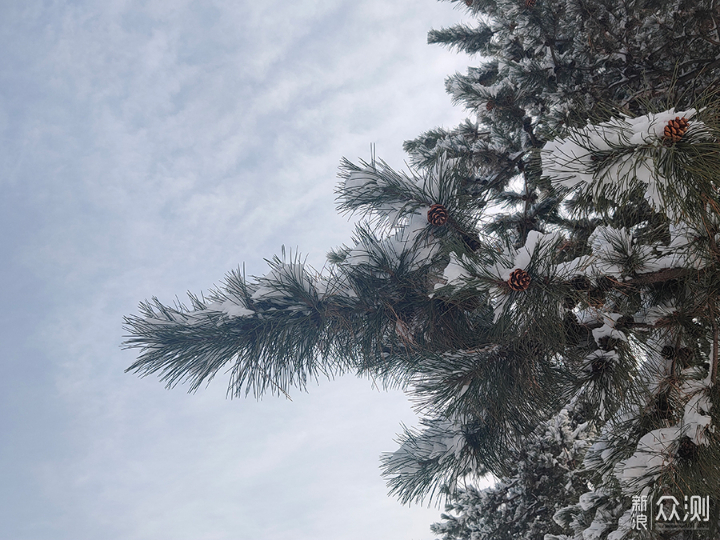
x=147, y=148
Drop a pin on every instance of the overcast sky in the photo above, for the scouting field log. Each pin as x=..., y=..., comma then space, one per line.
x=147, y=148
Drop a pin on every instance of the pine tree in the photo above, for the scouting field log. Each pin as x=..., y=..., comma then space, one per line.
x=545, y=477
x=559, y=246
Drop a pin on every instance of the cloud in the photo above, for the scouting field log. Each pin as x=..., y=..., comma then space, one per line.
x=147, y=148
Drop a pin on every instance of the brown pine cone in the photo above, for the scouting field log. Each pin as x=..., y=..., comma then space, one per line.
x=490, y=105
x=468, y=3
x=519, y=280
x=529, y=3
x=437, y=215
x=675, y=129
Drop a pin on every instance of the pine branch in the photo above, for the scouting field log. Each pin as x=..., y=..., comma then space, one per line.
x=439, y=454
x=277, y=333
x=464, y=38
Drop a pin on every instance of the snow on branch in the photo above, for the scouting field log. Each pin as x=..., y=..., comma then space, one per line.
x=436, y=455
x=276, y=333
x=377, y=191
x=611, y=158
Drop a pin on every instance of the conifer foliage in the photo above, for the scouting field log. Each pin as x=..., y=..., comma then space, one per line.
x=556, y=252
x=545, y=475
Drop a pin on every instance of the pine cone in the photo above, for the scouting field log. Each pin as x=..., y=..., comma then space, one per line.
x=471, y=242
x=468, y=3
x=519, y=280
x=437, y=215
x=687, y=449
x=490, y=105
x=529, y=3
x=683, y=355
x=675, y=129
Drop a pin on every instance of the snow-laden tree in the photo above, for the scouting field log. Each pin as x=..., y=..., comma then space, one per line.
x=559, y=246
x=660, y=308
x=640, y=332
x=544, y=477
